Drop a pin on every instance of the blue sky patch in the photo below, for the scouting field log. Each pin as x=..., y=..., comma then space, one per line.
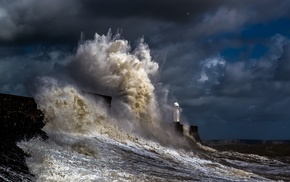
x=267, y=29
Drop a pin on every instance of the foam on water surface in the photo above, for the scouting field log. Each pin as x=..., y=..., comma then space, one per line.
x=92, y=158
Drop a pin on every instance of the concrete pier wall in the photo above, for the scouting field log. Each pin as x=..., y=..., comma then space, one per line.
x=190, y=131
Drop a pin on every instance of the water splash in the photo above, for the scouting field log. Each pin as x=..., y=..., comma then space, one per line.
x=66, y=109
x=108, y=66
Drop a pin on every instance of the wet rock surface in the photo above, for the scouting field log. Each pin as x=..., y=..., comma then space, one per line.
x=20, y=120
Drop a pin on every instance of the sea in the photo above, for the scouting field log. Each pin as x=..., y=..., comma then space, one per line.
x=129, y=139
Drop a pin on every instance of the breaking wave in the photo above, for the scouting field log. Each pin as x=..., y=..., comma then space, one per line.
x=106, y=65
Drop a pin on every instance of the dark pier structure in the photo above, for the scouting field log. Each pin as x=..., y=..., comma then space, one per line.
x=190, y=131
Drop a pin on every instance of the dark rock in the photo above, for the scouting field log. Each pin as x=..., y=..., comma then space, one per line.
x=20, y=120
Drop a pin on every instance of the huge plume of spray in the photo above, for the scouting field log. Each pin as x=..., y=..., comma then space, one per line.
x=105, y=65
x=110, y=67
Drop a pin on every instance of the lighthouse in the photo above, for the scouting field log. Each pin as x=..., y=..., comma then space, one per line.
x=186, y=130
x=176, y=118
x=176, y=112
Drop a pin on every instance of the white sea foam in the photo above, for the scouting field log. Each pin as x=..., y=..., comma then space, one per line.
x=77, y=157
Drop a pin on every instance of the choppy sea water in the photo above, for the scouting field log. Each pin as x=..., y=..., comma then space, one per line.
x=74, y=157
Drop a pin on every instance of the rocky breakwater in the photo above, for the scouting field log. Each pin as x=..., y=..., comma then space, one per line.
x=20, y=120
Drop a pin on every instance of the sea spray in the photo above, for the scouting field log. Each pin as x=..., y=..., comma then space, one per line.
x=107, y=65
x=66, y=109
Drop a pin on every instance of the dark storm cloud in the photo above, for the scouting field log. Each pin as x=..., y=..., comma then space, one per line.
x=167, y=10
x=32, y=20
x=61, y=21
x=50, y=20
x=18, y=72
x=255, y=90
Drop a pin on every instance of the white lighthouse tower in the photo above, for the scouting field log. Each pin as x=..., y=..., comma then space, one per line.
x=176, y=112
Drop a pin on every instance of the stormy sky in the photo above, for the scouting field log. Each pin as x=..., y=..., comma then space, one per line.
x=227, y=62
